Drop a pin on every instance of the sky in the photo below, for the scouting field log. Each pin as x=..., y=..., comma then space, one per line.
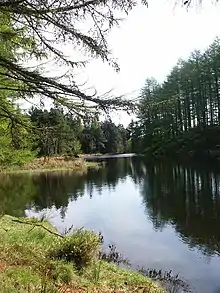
x=149, y=43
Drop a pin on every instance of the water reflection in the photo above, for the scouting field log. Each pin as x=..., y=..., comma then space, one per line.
x=188, y=199
x=57, y=189
x=184, y=196
x=131, y=201
x=16, y=191
x=44, y=190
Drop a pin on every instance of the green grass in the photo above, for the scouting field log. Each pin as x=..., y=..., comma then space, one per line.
x=30, y=261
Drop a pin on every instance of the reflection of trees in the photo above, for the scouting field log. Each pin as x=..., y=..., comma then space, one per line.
x=58, y=188
x=45, y=190
x=138, y=169
x=115, y=170
x=189, y=199
x=186, y=197
x=16, y=191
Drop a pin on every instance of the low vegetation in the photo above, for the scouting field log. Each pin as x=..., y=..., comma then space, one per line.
x=52, y=164
x=35, y=258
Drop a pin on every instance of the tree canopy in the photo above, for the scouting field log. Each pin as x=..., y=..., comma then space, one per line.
x=38, y=29
x=183, y=113
x=65, y=134
x=33, y=37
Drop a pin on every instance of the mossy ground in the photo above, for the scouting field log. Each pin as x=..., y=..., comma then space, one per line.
x=26, y=264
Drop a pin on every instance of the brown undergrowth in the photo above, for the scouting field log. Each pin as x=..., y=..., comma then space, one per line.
x=53, y=164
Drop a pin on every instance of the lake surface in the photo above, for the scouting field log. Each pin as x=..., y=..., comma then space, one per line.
x=165, y=216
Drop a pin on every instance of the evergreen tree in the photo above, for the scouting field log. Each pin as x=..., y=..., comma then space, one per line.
x=39, y=29
x=174, y=116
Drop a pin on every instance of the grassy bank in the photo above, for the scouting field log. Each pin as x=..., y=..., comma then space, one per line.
x=33, y=258
x=52, y=164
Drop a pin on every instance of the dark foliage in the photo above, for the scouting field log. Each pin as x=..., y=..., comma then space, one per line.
x=59, y=133
x=182, y=115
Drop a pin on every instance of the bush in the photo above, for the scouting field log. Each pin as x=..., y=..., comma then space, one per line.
x=61, y=272
x=81, y=248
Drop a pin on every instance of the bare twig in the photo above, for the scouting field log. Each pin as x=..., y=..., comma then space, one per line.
x=38, y=225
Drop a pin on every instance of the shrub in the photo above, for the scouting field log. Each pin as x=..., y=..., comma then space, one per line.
x=81, y=248
x=61, y=272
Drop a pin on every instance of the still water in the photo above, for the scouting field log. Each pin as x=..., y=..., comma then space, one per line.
x=165, y=216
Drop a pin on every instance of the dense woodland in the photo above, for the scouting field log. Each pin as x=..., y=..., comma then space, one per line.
x=58, y=133
x=54, y=133
x=182, y=115
x=33, y=35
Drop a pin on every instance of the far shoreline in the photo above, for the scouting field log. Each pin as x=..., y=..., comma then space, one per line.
x=79, y=163
x=52, y=164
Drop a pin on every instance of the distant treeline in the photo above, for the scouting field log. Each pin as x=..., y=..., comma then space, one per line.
x=59, y=133
x=179, y=117
x=56, y=133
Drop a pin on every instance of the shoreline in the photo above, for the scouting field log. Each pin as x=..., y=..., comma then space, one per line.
x=57, y=164
x=52, y=165
x=31, y=259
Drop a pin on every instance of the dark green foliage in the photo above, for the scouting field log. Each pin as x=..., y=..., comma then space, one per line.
x=58, y=133
x=15, y=139
x=55, y=133
x=181, y=115
x=22, y=40
x=16, y=144
x=104, y=137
